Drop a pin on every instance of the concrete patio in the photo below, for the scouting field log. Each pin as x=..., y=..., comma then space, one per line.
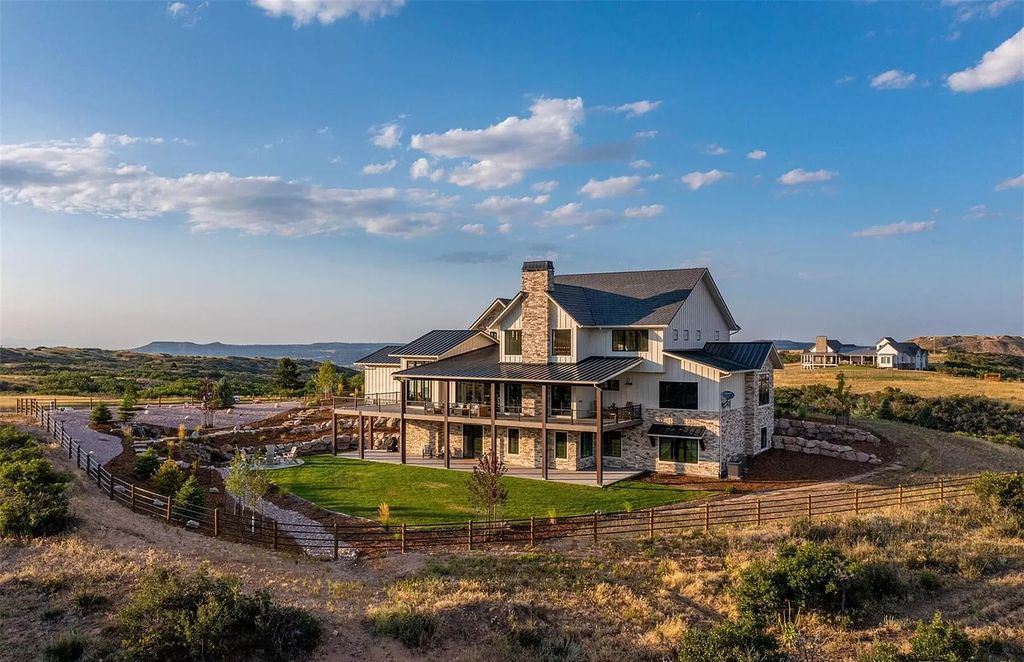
x=587, y=478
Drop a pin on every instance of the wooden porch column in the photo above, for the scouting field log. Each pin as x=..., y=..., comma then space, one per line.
x=447, y=444
x=494, y=428
x=334, y=431
x=362, y=446
x=401, y=421
x=544, y=430
x=369, y=433
x=598, y=450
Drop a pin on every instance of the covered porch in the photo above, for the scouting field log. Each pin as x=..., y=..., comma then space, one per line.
x=588, y=478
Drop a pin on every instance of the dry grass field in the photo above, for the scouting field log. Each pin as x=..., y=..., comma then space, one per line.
x=623, y=599
x=923, y=383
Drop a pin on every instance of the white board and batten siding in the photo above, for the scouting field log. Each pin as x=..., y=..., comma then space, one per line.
x=513, y=319
x=559, y=319
x=598, y=342
x=700, y=312
x=644, y=387
x=378, y=379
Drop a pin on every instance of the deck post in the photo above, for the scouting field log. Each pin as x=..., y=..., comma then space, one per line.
x=447, y=440
x=494, y=427
x=334, y=431
x=401, y=421
x=362, y=446
x=544, y=430
x=369, y=433
x=598, y=450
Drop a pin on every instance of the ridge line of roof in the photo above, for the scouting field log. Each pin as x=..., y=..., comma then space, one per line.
x=633, y=271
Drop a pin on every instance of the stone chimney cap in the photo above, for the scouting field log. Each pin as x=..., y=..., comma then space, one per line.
x=539, y=265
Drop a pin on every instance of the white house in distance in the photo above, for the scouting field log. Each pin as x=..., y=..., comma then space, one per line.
x=887, y=353
x=623, y=371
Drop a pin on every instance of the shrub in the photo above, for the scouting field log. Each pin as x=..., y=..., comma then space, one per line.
x=1002, y=493
x=169, y=478
x=811, y=577
x=414, y=629
x=190, y=498
x=11, y=438
x=932, y=641
x=88, y=601
x=100, y=414
x=223, y=394
x=66, y=648
x=730, y=641
x=33, y=498
x=175, y=616
x=146, y=464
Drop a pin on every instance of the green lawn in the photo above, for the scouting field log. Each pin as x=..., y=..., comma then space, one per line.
x=425, y=495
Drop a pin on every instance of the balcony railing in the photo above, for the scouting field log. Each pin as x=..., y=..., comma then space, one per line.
x=378, y=402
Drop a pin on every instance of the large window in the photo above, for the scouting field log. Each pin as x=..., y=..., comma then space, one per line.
x=472, y=392
x=419, y=390
x=629, y=340
x=561, y=342
x=513, y=441
x=677, y=395
x=514, y=342
x=611, y=444
x=764, y=390
x=562, y=445
x=764, y=438
x=586, y=444
x=679, y=450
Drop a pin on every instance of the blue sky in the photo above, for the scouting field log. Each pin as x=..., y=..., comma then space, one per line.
x=298, y=172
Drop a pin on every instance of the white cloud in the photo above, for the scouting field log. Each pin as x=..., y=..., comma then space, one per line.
x=893, y=229
x=509, y=206
x=379, y=168
x=640, y=164
x=188, y=14
x=608, y=188
x=843, y=80
x=637, y=108
x=654, y=177
x=505, y=228
x=104, y=139
x=645, y=135
x=977, y=212
x=757, y=154
x=474, y=228
x=545, y=187
x=421, y=169
x=893, y=79
x=386, y=136
x=83, y=177
x=337, y=159
x=574, y=214
x=324, y=131
x=644, y=211
x=503, y=152
x=801, y=176
x=696, y=180
x=325, y=12
x=715, y=150
x=1012, y=182
x=998, y=67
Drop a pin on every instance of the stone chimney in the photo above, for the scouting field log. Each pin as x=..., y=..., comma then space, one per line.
x=821, y=344
x=538, y=279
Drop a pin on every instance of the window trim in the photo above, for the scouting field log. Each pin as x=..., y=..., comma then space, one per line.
x=608, y=441
x=698, y=335
x=509, y=333
x=631, y=340
x=764, y=390
x=764, y=437
x=686, y=335
x=508, y=441
x=584, y=445
x=555, y=346
x=679, y=450
x=565, y=446
x=696, y=395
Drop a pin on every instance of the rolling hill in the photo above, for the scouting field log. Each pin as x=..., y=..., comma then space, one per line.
x=1009, y=345
x=339, y=353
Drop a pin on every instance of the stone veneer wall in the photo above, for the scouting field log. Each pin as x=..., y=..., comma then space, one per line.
x=535, y=315
x=430, y=435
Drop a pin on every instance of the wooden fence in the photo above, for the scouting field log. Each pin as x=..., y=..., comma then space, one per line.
x=363, y=536
x=89, y=401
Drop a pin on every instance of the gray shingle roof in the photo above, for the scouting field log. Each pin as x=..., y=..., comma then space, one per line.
x=625, y=297
x=483, y=364
x=381, y=357
x=435, y=343
x=728, y=356
x=683, y=431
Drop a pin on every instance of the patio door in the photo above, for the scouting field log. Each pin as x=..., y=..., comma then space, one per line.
x=513, y=397
x=472, y=440
x=561, y=400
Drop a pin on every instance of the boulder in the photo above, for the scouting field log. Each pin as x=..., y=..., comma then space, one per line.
x=214, y=490
x=192, y=524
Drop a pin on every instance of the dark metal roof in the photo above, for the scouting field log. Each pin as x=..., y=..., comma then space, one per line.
x=381, y=357
x=626, y=297
x=730, y=356
x=683, y=431
x=436, y=343
x=483, y=364
x=911, y=348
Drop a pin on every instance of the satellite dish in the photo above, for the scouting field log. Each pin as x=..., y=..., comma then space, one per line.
x=728, y=395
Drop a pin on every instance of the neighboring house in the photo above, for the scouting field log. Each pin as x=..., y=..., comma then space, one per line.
x=584, y=372
x=887, y=353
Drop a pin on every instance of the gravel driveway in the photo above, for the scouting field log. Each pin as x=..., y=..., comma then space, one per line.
x=104, y=447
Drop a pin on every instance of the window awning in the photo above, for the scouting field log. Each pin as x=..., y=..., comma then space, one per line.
x=677, y=431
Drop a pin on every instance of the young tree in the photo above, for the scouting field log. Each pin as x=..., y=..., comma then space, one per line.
x=486, y=490
x=246, y=482
x=126, y=412
x=100, y=413
x=146, y=464
x=169, y=478
x=190, y=498
x=223, y=395
x=286, y=376
x=326, y=379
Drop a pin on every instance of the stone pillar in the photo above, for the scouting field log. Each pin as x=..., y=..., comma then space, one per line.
x=538, y=280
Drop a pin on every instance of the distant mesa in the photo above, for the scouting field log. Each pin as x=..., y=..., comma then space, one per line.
x=339, y=353
x=1008, y=345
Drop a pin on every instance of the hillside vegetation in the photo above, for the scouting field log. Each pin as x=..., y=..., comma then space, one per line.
x=1011, y=345
x=339, y=353
x=75, y=371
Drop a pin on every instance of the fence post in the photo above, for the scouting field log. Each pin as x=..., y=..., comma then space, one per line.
x=403, y=537
x=88, y=464
x=707, y=517
x=110, y=477
x=78, y=457
x=594, y=520
x=216, y=523
x=132, y=490
x=808, y=506
x=856, y=502
x=942, y=491
x=470, y=527
x=650, y=524
x=532, y=526
x=759, y=512
x=335, y=541
x=274, y=522
x=168, y=509
x=99, y=475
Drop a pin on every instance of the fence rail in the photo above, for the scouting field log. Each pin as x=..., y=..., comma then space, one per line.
x=368, y=537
